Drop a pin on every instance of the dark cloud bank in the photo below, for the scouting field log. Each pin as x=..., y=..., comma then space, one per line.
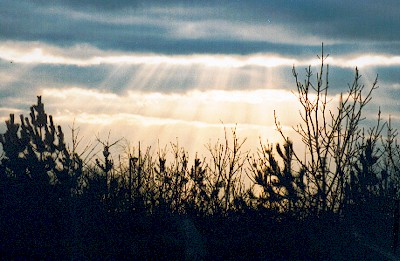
x=355, y=26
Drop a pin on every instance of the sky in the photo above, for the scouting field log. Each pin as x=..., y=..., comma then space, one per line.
x=166, y=71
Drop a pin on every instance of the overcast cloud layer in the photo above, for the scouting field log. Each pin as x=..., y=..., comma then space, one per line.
x=197, y=52
x=290, y=27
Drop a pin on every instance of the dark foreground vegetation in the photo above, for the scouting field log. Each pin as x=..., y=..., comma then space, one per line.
x=338, y=201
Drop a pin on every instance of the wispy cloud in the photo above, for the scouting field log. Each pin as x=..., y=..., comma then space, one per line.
x=25, y=53
x=367, y=60
x=86, y=55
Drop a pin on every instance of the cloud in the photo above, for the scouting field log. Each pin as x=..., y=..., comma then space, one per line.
x=210, y=27
x=45, y=54
x=86, y=55
x=367, y=60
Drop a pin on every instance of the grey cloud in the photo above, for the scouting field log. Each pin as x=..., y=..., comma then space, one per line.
x=389, y=75
x=367, y=26
x=57, y=76
x=338, y=19
x=159, y=78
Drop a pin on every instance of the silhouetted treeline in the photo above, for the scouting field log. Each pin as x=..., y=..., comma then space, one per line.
x=339, y=201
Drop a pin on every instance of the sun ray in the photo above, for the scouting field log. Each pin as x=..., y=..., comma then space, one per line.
x=141, y=79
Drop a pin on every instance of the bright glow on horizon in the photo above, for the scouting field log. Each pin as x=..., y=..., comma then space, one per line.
x=195, y=117
x=179, y=106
